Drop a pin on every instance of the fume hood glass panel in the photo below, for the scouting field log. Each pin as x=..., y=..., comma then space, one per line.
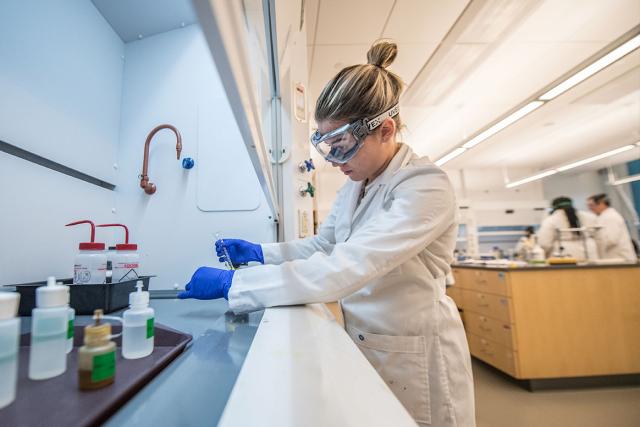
x=239, y=40
x=258, y=45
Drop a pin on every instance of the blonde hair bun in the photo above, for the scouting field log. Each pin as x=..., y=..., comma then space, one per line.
x=382, y=53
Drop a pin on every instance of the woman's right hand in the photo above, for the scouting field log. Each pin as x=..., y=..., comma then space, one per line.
x=240, y=251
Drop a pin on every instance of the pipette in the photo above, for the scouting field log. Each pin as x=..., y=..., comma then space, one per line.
x=227, y=258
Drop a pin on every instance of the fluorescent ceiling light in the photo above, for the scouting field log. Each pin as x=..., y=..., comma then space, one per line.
x=532, y=178
x=510, y=119
x=452, y=155
x=594, y=158
x=593, y=68
x=630, y=178
x=581, y=163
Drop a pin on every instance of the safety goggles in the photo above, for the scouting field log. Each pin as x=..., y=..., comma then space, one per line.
x=341, y=144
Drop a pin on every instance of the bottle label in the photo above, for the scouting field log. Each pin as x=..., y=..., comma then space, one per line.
x=150, y=327
x=70, y=329
x=104, y=366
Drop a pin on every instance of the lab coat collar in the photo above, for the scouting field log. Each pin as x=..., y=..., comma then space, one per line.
x=399, y=160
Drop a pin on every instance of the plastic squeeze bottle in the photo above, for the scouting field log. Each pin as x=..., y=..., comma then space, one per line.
x=125, y=261
x=9, y=338
x=97, y=357
x=49, y=328
x=138, y=327
x=90, y=266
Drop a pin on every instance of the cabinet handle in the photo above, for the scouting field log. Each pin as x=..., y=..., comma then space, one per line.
x=483, y=305
x=483, y=328
x=488, y=353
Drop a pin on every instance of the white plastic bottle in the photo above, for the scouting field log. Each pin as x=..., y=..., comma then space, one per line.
x=49, y=326
x=9, y=339
x=90, y=266
x=70, y=323
x=138, y=325
x=125, y=261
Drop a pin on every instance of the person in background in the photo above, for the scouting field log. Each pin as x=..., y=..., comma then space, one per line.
x=526, y=242
x=554, y=238
x=613, y=238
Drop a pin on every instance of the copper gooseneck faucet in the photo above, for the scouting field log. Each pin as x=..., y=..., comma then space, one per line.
x=150, y=187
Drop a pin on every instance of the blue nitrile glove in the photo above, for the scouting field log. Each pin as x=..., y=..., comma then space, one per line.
x=240, y=251
x=208, y=283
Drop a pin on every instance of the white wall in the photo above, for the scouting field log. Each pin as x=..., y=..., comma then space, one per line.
x=170, y=78
x=36, y=203
x=60, y=80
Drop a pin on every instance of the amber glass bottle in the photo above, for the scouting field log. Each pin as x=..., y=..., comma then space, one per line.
x=97, y=357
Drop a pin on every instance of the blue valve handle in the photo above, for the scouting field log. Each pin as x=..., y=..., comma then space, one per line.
x=309, y=164
x=188, y=163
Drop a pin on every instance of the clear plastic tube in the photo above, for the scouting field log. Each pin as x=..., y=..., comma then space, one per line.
x=227, y=258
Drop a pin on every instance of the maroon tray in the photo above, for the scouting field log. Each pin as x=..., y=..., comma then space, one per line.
x=59, y=402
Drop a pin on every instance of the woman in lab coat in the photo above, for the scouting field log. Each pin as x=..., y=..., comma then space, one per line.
x=555, y=239
x=383, y=251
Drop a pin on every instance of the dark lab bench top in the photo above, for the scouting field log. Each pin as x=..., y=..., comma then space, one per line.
x=194, y=389
x=544, y=267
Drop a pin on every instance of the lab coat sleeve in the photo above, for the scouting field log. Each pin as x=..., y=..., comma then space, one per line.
x=416, y=213
x=546, y=235
x=324, y=241
x=612, y=232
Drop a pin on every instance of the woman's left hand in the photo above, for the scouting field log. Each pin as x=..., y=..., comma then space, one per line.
x=208, y=283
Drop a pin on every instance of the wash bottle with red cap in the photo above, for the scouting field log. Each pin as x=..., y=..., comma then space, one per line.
x=125, y=263
x=90, y=266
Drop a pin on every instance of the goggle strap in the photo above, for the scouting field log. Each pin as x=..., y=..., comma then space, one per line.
x=376, y=121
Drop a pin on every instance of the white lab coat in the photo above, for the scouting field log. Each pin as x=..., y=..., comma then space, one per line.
x=613, y=238
x=573, y=244
x=386, y=260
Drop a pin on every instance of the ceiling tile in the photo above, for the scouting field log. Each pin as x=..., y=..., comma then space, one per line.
x=422, y=21
x=411, y=57
x=351, y=22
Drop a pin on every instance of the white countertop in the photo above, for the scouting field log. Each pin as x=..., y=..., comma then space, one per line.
x=303, y=370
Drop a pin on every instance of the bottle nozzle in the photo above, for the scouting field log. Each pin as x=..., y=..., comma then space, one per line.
x=51, y=281
x=97, y=316
x=140, y=297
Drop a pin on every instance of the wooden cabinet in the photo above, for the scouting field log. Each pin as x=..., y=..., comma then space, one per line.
x=490, y=305
x=492, y=282
x=495, y=330
x=493, y=353
x=552, y=322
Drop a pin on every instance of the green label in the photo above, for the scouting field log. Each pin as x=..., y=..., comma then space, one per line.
x=150, y=327
x=104, y=367
x=70, y=329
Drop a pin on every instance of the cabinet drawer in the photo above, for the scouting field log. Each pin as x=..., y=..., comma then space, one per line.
x=492, y=329
x=460, y=278
x=495, y=306
x=456, y=295
x=494, y=354
x=493, y=282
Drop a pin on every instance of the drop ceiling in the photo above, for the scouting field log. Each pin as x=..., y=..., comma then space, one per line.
x=467, y=63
